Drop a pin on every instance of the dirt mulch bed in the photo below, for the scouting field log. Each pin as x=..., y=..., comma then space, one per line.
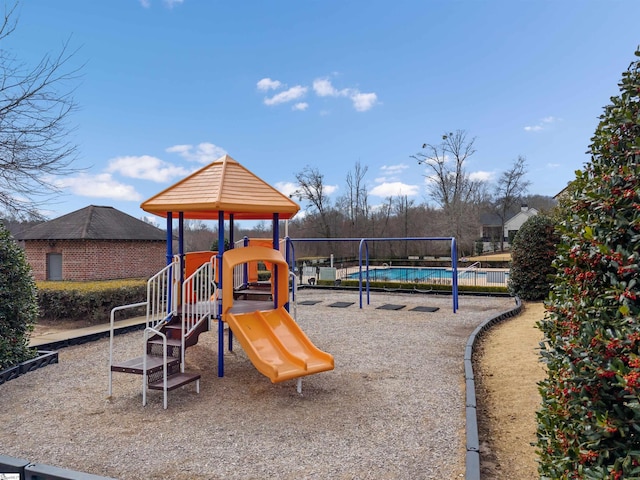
x=392, y=408
x=506, y=370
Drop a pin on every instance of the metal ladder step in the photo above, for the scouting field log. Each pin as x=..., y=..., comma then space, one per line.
x=177, y=380
x=154, y=365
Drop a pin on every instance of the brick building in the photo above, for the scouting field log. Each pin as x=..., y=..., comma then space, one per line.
x=94, y=243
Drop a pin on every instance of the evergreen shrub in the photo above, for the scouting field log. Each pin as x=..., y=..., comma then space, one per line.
x=589, y=422
x=18, y=304
x=532, y=253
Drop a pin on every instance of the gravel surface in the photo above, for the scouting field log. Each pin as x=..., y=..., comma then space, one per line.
x=393, y=408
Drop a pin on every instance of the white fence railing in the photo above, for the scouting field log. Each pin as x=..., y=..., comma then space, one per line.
x=162, y=294
x=199, y=300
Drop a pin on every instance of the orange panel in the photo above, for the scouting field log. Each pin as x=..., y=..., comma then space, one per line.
x=237, y=256
x=193, y=261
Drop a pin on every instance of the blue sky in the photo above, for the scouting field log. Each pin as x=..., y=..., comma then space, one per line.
x=169, y=86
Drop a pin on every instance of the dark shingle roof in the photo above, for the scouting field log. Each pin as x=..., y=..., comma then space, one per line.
x=489, y=219
x=93, y=223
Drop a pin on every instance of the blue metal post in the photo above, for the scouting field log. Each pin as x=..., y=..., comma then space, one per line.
x=362, y=242
x=454, y=273
x=366, y=251
x=181, y=251
x=220, y=323
x=169, y=237
x=231, y=245
x=276, y=231
x=290, y=257
x=245, y=266
x=170, y=298
x=276, y=246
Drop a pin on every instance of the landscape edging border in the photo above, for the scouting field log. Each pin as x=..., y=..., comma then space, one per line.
x=472, y=459
x=44, y=358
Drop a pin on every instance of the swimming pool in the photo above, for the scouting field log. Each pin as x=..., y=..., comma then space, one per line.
x=417, y=275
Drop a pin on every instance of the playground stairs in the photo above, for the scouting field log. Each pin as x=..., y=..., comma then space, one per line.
x=172, y=330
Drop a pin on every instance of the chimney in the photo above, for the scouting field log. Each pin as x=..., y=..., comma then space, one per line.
x=524, y=207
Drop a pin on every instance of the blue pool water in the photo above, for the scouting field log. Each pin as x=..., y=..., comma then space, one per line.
x=400, y=274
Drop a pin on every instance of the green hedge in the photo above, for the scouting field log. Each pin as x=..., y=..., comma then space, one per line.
x=90, y=301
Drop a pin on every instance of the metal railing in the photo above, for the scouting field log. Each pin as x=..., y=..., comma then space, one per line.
x=162, y=297
x=199, y=301
x=147, y=332
x=162, y=294
x=111, y=336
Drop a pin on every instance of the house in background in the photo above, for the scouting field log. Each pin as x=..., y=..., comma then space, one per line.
x=94, y=243
x=514, y=223
x=492, y=228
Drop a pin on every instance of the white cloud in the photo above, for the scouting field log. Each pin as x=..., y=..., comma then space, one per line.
x=145, y=167
x=202, y=153
x=436, y=160
x=391, y=173
x=394, y=169
x=541, y=125
x=330, y=189
x=290, y=188
x=361, y=101
x=287, y=96
x=480, y=176
x=267, y=84
x=324, y=88
x=392, y=189
x=99, y=186
x=151, y=220
x=286, y=188
x=168, y=3
x=553, y=165
x=364, y=101
x=300, y=106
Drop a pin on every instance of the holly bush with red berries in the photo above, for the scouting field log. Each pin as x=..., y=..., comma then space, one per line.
x=589, y=421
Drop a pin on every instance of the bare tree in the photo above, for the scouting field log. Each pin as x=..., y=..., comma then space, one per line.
x=35, y=104
x=451, y=187
x=510, y=188
x=355, y=202
x=311, y=188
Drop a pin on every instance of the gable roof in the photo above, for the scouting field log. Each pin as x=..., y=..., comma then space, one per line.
x=222, y=186
x=521, y=216
x=93, y=223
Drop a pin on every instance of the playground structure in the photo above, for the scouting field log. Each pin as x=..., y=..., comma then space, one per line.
x=193, y=290
x=197, y=290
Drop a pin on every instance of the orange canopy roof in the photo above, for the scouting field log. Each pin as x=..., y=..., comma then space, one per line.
x=222, y=186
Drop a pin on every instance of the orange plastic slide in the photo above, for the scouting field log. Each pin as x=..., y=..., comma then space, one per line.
x=277, y=346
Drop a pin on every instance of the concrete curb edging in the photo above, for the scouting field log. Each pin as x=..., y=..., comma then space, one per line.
x=472, y=460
